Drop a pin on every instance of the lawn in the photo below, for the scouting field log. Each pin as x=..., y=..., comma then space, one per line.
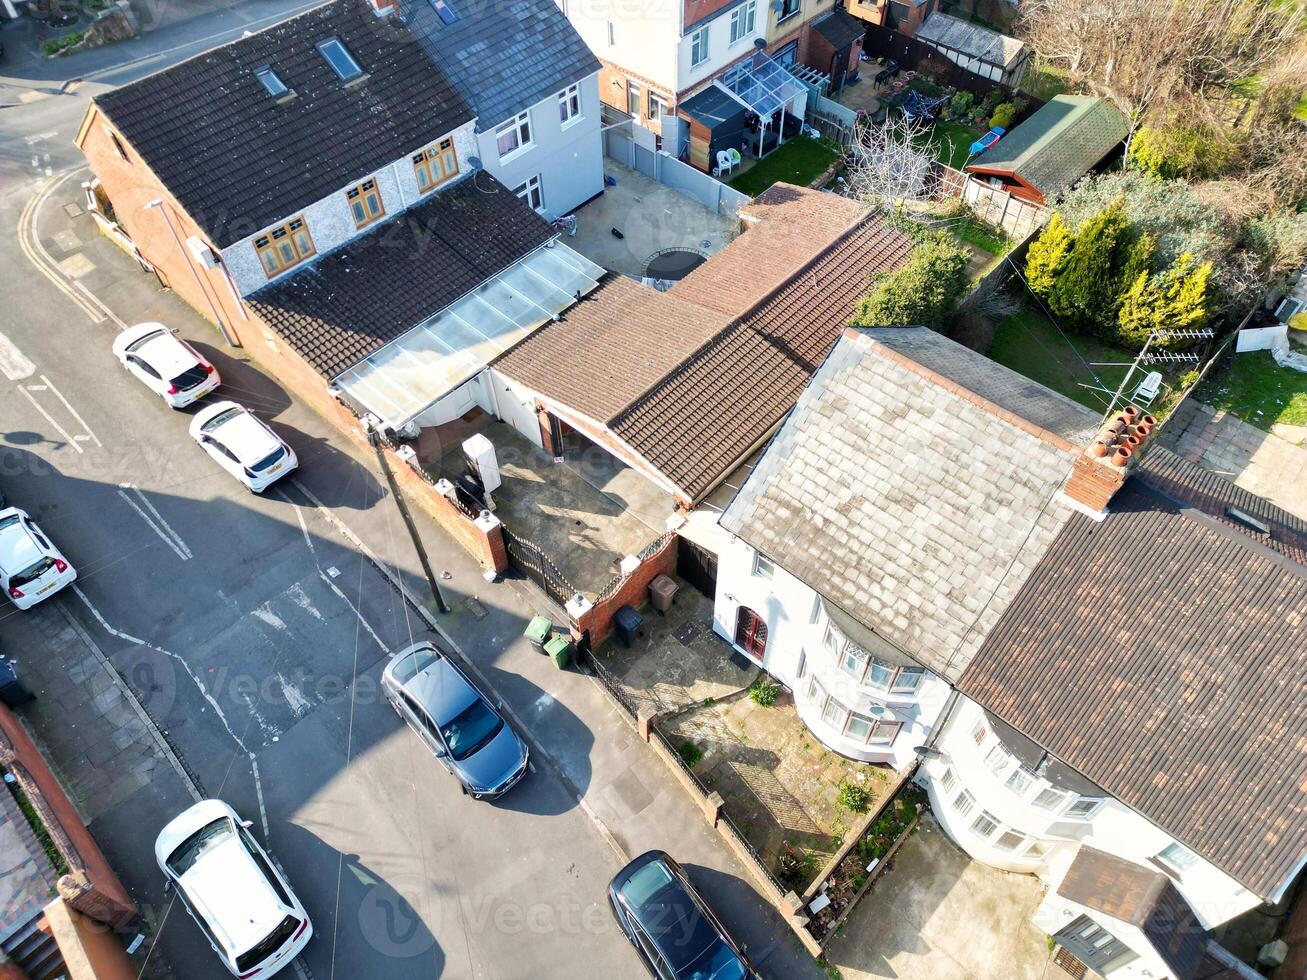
x=800, y=161
x=951, y=142
x=1045, y=81
x=1030, y=344
x=1257, y=390
x=985, y=237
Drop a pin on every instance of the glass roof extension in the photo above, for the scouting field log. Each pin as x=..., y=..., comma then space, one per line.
x=409, y=374
x=762, y=84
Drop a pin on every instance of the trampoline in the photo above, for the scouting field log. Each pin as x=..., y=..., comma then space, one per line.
x=673, y=264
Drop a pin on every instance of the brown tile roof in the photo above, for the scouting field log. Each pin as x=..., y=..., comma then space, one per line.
x=1144, y=898
x=703, y=418
x=789, y=226
x=1161, y=653
x=610, y=348
x=355, y=300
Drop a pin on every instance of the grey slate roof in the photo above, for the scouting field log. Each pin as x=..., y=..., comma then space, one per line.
x=970, y=39
x=905, y=497
x=237, y=160
x=839, y=29
x=1161, y=654
x=503, y=55
x=1057, y=145
x=377, y=287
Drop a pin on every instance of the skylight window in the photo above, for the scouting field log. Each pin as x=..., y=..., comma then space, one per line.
x=445, y=11
x=341, y=61
x=274, y=85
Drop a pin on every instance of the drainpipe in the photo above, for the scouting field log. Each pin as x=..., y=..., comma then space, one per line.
x=217, y=318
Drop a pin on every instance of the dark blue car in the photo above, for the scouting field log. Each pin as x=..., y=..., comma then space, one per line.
x=458, y=723
x=671, y=926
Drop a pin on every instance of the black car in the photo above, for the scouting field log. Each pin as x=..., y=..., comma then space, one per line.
x=887, y=71
x=671, y=926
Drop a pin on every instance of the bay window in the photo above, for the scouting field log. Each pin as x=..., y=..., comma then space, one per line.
x=985, y=824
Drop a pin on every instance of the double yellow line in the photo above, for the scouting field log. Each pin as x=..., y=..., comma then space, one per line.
x=37, y=255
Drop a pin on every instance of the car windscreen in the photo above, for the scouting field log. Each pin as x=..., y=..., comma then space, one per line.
x=268, y=945
x=412, y=665
x=32, y=572
x=471, y=728
x=184, y=856
x=222, y=417
x=718, y=962
x=189, y=378
x=268, y=460
x=140, y=342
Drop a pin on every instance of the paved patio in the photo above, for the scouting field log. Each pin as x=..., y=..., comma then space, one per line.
x=586, y=513
x=778, y=781
x=937, y=915
x=650, y=217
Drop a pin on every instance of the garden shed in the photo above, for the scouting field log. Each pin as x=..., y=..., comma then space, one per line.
x=978, y=49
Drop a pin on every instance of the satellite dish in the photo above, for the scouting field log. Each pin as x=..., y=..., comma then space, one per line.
x=474, y=162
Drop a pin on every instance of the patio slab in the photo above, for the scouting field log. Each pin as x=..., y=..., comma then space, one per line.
x=937, y=915
x=679, y=661
x=650, y=217
x=585, y=516
x=779, y=783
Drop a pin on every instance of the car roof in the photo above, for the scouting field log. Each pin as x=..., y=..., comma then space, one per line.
x=246, y=436
x=669, y=913
x=167, y=355
x=18, y=549
x=442, y=690
x=237, y=901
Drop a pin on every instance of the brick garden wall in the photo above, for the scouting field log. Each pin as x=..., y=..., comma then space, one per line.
x=633, y=591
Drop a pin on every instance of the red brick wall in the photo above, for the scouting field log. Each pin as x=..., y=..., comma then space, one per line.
x=632, y=592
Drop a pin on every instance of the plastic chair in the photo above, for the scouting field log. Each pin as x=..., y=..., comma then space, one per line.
x=735, y=157
x=1149, y=388
x=723, y=163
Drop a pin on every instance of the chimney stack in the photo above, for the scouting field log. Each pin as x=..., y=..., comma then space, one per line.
x=1101, y=470
x=383, y=7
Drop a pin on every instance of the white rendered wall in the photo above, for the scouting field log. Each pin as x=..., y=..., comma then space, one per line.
x=645, y=35
x=721, y=52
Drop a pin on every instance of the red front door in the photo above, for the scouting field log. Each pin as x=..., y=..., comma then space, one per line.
x=751, y=633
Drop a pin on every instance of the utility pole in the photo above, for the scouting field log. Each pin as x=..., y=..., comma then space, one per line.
x=374, y=439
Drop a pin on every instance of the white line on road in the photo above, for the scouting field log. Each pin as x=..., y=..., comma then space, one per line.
x=71, y=411
x=159, y=517
x=13, y=362
x=50, y=418
x=183, y=555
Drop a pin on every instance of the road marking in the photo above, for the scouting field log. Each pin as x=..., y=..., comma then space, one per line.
x=35, y=252
x=169, y=541
x=99, y=303
x=73, y=412
x=50, y=418
x=13, y=362
x=159, y=517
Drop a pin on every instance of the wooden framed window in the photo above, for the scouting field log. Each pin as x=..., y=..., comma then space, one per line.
x=365, y=203
x=284, y=247
x=436, y=164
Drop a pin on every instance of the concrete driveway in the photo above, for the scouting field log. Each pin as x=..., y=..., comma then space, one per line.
x=938, y=915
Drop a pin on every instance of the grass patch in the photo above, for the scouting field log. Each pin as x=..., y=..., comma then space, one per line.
x=38, y=829
x=800, y=161
x=1045, y=81
x=985, y=237
x=764, y=692
x=1256, y=389
x=950, y=142
x=56, y=44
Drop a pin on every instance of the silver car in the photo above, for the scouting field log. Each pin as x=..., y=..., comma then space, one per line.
x=458, y=723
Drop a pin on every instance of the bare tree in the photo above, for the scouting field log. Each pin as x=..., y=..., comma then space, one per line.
x=888, y=164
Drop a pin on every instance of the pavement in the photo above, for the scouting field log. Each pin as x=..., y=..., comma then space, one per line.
x=908, y=926
x=251, y=630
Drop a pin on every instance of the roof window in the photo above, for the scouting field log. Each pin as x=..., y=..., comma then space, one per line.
x=1247, y=520
x=445, y=11
x=341, y=61
x=271, y=82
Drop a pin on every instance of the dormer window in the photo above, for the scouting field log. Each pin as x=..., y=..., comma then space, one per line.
x=273, y=85
x=342, y=62
x=444, y=11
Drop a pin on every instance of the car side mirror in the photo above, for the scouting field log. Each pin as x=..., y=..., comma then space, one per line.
x=247, y=824
x=167, y=885
x=440, y=753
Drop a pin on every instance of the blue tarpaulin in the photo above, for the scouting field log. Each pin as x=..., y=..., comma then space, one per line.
x=988, y=140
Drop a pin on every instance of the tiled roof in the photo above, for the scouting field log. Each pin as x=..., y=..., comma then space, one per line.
x=789, y=226
x=1160, y=652
x=970, y=39
x=505, y=55
x=839, y=29
x=1059, y=144
x=238, y=160
x=610, y=348
x=906, y=498
x=380, y=285
x=1146, y=899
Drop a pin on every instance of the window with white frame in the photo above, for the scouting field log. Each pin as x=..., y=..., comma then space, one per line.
x=1010, y=840
x=1084, y=807
x=762, y=568
x=1020, y=780
x=1177, y=857
x=1050, y=799
x=866, y=668
x=514, y=135
x=997, y=758
x=633, y=96
x=979, y=732
x=880, y=674
x=963, y=803
x=948, y=780
x=803, y=664
x=699, y=47
x=530, y=191
x=743, y=18
x=884, y=733
x=834, y=714
x=871, y=730
x=854, y=661
x=859, y=727
x=569, y=104
x=985, y=824
x=908, y=680
x=657, y=107
x=788, y=9
x=814, y=617
x=816, y=693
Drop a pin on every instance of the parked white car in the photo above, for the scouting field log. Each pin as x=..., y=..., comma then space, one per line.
x=31, y=568
x=232, y=890
x=242, y=445
x=169, y=366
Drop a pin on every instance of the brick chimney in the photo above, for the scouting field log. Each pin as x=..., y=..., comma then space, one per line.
x=1101, y=470
x=383, y=7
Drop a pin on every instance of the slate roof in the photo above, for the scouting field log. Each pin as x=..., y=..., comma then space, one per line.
x=1160, y=652
x=238, y=160
x=1057, y=145
x=839, y=29
x=610, y=348
x=905, y=496
x=970, y=39
x=503, y=55
x=377, y=287
x=1145, y=899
